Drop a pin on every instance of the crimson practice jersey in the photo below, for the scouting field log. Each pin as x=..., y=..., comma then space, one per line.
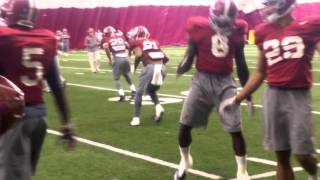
x=25, y=57
x=117, y=45
x=288, y=51
x=151, y=51
x=215, y=53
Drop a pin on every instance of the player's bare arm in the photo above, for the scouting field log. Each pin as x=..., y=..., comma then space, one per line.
x=254, y=81
x=187, y=61
x=108, y=53
x=62, y=104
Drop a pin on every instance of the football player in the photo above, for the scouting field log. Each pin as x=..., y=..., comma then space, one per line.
x=11, y=104
x=27, y=56
x=151, y=78
x=117, y=50
x=286, y=48
x=214, y=43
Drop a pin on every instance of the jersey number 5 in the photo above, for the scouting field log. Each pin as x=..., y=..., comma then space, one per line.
x=28, y=63
x=292, y=46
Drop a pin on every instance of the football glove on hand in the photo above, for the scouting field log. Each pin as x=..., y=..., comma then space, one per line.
x=226, y=104
x=67, y=137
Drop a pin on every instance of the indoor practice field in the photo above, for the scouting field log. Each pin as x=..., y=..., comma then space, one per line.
x=110, y=152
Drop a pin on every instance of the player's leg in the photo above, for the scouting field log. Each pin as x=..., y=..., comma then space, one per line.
x=302, y=136
x=231, y=121
x=186, y=161
x=152, y=91
x=116, y=75
x=284, y=169
x=195, y=113
x=127, y=76
x=309, y=164
x=144, y=79
x=98, y=57
x=35, y=128
x=91, y=61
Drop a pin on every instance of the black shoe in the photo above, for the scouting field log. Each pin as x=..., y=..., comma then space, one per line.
x=133, y=94
x=159, y=118
x=122, y=99
x=177, y=177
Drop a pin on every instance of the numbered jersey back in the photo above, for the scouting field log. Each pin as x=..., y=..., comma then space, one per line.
x=150, y=49
x=288, y=51
x=25, y=57
x=215, y=52
x=117, y=45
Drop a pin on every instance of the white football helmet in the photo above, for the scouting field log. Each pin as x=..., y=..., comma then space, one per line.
x=222, y=14
x=275, y=9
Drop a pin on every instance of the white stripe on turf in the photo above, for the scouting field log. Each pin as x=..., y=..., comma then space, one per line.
x=263, y=161
x=138, y=156
x=273, y=173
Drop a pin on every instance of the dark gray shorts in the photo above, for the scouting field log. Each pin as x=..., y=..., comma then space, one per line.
x=287, y=121
x=120, y=66
x=20, y=146
x=208, y=91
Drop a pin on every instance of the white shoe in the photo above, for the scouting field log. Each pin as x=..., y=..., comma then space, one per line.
x=159, y=113
x=135, y=121
x=243, y=176
x=184, y=165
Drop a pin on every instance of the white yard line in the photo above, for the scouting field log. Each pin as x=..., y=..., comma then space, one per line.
x=273, y=173
x=166, y=95
x=138, y=156
x=262, y=161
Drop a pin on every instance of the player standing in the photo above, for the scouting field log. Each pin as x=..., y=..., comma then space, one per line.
x=27, y=55
x=214, y=43
x=286, y=48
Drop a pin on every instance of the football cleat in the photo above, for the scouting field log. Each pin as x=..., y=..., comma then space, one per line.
x=122, y=99
x=177, y=177
x=241, y=176
x=222, y=14
x=159, y=113
x=135, y=121
x=133, y=94
x=276, y=9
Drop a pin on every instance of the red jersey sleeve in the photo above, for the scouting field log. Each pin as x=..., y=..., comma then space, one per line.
x=197, y=28
x=312, y=28
x=241, y=31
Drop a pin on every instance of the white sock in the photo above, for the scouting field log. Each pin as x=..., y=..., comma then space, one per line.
x=121, y=92
x=312, y=177
x=185, y=157
x=241, y=164
x=132, y=87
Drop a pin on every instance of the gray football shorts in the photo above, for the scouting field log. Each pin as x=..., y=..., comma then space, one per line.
x=146, y=77
x=120, y=66
x=287, y=121
x=21, y=145
x=208, y=91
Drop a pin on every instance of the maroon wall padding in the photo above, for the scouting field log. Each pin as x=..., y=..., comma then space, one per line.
x=165, y=23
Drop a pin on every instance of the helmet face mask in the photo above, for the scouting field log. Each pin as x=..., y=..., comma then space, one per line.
x=273, y=10
x=222, y=14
